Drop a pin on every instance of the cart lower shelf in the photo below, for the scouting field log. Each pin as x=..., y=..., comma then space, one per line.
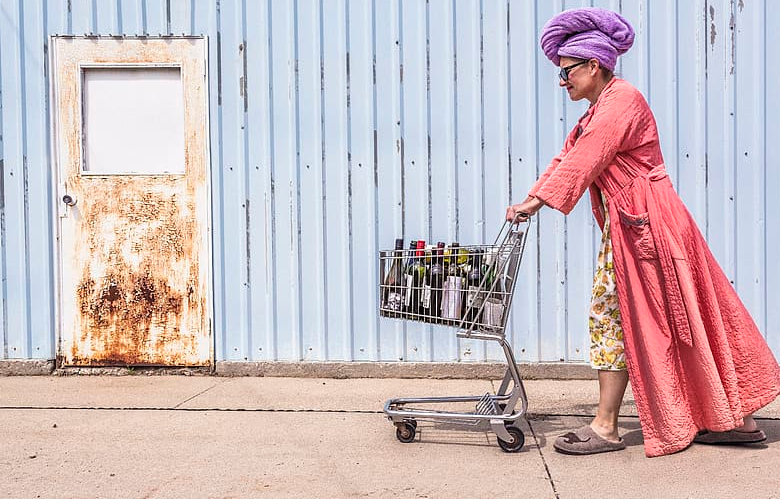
x=500, y=410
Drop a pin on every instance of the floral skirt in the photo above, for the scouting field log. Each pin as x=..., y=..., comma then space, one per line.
x=606, y=329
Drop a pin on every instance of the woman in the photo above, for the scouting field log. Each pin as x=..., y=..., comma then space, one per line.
x=663, y=313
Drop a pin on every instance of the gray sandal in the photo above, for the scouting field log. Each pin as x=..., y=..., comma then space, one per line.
x=729, y=437
x=585, y=441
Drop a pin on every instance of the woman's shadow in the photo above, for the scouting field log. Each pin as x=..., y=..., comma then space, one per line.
x=548, y=426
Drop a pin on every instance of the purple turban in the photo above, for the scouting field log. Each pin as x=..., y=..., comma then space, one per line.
x=589, y=33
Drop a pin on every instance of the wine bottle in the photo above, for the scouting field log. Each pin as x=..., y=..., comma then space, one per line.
x=489, y=267
x=463, y=256
x=463, y=262
x=414, y=280
x=474, y=295
x=393, y=292
x=452, y=297
x=452, y=261
x=408, y=278
x=436, y=287
x=446, y=260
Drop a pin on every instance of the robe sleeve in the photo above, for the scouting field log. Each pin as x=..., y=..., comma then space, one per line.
x=609, y=131
x=570, y=140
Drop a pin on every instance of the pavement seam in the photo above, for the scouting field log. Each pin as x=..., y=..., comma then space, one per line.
x=186, y=409
x=529, y=416
x=544, y=461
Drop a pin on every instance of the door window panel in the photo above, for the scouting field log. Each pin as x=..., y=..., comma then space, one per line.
x=133, y=121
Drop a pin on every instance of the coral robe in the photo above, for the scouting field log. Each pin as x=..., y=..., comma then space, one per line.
x=695, y=357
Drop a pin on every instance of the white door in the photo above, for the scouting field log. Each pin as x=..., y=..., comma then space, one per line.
x=131, y=144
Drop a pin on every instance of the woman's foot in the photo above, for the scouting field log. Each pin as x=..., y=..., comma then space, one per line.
x=729, y=437
x=748, y=433
x=585, y=441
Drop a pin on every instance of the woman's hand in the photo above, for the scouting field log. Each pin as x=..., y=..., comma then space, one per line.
x=521, y=211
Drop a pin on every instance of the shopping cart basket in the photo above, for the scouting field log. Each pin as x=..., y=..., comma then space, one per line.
x=474, y=295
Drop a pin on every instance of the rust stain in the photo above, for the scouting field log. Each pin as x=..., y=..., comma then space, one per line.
x=712, y=26
x=139, y=296
x=2, y=195
x=733, y=28
x=129, y=317
x=243, y=79
x=219, y=66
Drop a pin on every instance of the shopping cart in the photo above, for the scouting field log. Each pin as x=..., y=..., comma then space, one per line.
x=478, y=305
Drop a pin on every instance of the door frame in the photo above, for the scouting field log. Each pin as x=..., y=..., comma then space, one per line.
x=58, y=179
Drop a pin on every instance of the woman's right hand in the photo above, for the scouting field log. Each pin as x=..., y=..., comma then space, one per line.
x=520, y=212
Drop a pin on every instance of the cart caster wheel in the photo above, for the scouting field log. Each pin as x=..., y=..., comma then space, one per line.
x=518, y=440
x=406, y=431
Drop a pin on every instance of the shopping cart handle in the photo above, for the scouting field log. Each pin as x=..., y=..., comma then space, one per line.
x=521, y=216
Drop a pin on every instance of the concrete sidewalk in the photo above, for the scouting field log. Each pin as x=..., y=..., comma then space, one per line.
x=201, y=436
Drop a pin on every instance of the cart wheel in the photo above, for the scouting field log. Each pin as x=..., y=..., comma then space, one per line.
x=518, y=440
x=406, y=431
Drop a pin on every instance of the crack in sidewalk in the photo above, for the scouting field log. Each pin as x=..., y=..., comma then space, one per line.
x=196, y=395
x=544, y=461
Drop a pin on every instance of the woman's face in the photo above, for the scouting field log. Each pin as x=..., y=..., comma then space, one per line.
x=583, y=79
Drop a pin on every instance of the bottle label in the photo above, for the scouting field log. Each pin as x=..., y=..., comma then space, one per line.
x=408, y=296
x=426, y=296
x=394, y=301
x=474, y=297
x=445, y=300
x=451, y=301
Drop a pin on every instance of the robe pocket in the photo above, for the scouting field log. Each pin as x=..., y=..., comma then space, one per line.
x=638, y=234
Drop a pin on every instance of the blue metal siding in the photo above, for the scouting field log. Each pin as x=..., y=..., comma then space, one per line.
x=771, y=178
x=26, y=223
x=338, y=125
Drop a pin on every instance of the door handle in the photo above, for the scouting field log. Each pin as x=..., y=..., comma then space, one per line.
x=70, y=205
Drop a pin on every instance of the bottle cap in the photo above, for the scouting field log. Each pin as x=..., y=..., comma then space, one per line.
x=420, y=248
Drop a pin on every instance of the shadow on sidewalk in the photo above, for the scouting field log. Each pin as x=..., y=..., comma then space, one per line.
x=479, y=435
x=548, y=428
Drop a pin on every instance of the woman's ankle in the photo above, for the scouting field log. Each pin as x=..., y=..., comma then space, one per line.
x=605, y=429
x=749, y=424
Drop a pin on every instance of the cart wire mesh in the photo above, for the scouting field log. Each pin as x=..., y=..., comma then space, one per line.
x=469, y=287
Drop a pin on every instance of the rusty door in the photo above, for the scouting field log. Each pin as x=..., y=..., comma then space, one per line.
x=131, y=134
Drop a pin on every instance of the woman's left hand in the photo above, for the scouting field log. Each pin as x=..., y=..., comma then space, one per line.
x=521, y=211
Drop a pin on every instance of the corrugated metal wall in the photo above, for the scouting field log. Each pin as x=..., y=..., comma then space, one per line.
x=338, y=125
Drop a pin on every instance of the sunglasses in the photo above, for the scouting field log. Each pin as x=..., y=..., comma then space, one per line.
x=564, y=74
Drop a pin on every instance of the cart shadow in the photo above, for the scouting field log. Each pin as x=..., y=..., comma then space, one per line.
x=462, y=435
